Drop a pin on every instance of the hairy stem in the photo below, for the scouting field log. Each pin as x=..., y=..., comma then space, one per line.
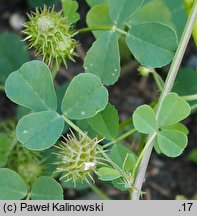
x=167, y=88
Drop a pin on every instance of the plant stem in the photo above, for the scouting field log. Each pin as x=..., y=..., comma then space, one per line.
x=194, y=108
x=123, y=136
x=114, y=165
x=167, y=88
x=190, y=97
x=28, y=196
x=179, y=54
x=72, y=125
x=1, y=88
x=158, y=80
x=99, y=28
x=100, y=193
x=100, y=148
x=149, y=142
x=95, y=28
x=115, y=28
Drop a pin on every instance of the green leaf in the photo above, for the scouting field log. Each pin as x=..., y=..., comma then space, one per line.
x=41, y=3
x=173, y=110
x=179, y=17
x=119, y=153
x=156, y=147
x=129, y=162
x=5, y=148
x=179, y=127
x=70, y=8
x=12, y=186
x=46, y=188
x=39, y=131
x=185, y=83
x=49, y=158
x=171, y=143
x=60, y=92
x=103, y=58
x=176, y=127
x=152, y=44
x=92, y=3
x=121, y=11
x=85, y=97
x=32, y=87
x=108, y=174
x=84, y=126
x=161, y=16
x=13, y=54
x=120, y=184
x=98, y=16
x=106, y=122
x=144, y=120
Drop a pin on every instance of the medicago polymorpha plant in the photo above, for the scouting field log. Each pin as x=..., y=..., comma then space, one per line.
x=42, y=150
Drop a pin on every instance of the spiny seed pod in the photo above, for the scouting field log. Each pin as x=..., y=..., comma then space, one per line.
x=29, y=164
x=77, y=158
x=51, y=36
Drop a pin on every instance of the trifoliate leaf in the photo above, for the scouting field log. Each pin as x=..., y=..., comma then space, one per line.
x=106, y=122
x=32, y=87
x=121, y=11
x=70, y=10
x=85, y=97
x=103, y=58
x=173, y=110
x=144, y=120
x=46, y=188
x=152, y=44
x=171, y=143
x=12, y=186
x=39, y=131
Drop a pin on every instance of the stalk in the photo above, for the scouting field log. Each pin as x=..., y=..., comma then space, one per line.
x=123, y=136
x=95, y=28
x=167, y=88
x=104, y=28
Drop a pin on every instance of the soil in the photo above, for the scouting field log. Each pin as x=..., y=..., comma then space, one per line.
x=166, y=177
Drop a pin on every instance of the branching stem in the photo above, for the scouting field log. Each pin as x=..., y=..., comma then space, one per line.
x=167, y=88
